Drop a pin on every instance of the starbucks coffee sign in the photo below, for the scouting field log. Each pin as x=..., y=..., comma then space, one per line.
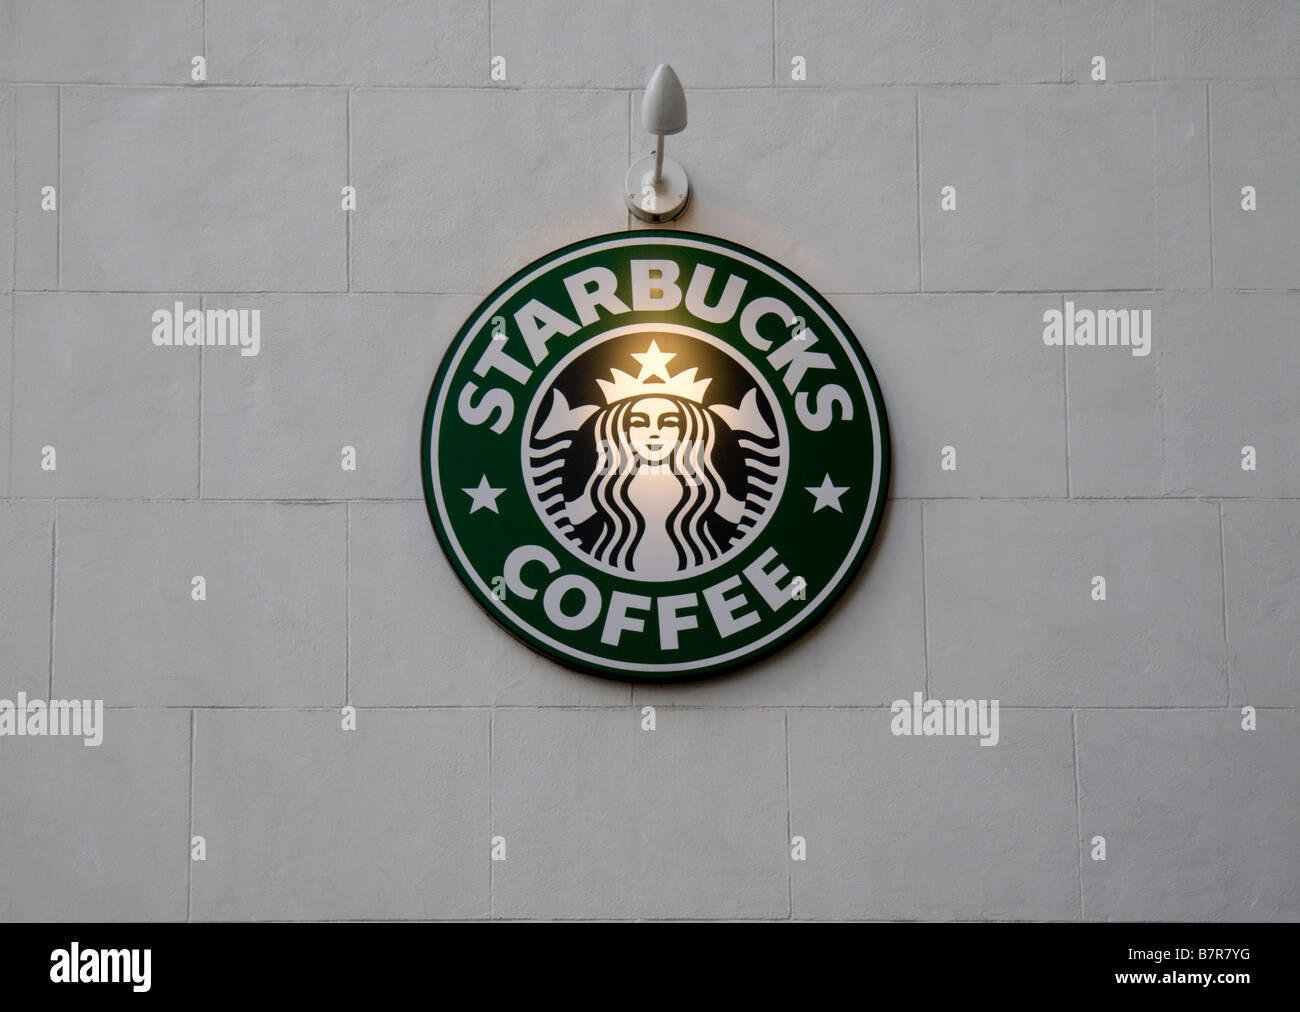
x=655, y=455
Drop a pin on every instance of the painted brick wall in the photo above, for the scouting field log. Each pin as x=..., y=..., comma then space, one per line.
x=1120, y=718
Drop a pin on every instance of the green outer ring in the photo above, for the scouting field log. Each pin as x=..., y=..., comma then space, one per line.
x=707, y=670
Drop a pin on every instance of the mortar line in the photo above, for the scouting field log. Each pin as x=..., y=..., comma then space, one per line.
x=54, y=589
x=925, y=611
x=13, y=218
x=1155, y=191
x=347, y=215
x=789, y=820
x=1154, y=497
x=492, y=828
x=920, y=256
x=628, y=221
x=347, y=618
x=1065, y=382
x=1151, y=40
x=13, y=364
x=322, y=85
x=1162, y=430
x=1060, y=49
x=1209, y=178
x=829, y=292
x=199, y=494
x=773, y=42
x=340, y=500
x=58, y=214
x=189, y=844
x=883, y=707
x=1223, y=588
x=1078, y=804
x=631, y=919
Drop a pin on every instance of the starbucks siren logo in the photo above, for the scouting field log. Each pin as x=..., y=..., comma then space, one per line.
x=655, y=455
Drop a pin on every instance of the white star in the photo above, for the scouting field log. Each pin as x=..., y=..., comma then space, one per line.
x=828, y=495
x=653, y=362
x=483, y=497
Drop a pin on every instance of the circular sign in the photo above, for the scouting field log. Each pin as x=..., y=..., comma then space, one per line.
x=655, y=455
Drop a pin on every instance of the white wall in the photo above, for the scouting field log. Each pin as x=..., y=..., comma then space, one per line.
x=325, y=587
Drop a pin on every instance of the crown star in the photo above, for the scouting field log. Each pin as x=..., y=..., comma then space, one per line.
x=653, y=362
x=654, y=365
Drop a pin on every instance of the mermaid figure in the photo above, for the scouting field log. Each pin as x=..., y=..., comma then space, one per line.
x=655, y=486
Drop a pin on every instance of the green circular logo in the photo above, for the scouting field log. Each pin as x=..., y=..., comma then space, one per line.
x=655, y=455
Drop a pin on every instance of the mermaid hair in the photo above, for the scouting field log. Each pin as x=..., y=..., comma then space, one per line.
x=691, y=463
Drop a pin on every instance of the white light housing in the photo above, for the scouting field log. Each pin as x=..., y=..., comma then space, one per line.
x=657, y=188
x=663, y=109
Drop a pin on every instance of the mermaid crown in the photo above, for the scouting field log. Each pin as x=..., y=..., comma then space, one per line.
x=653, y=379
